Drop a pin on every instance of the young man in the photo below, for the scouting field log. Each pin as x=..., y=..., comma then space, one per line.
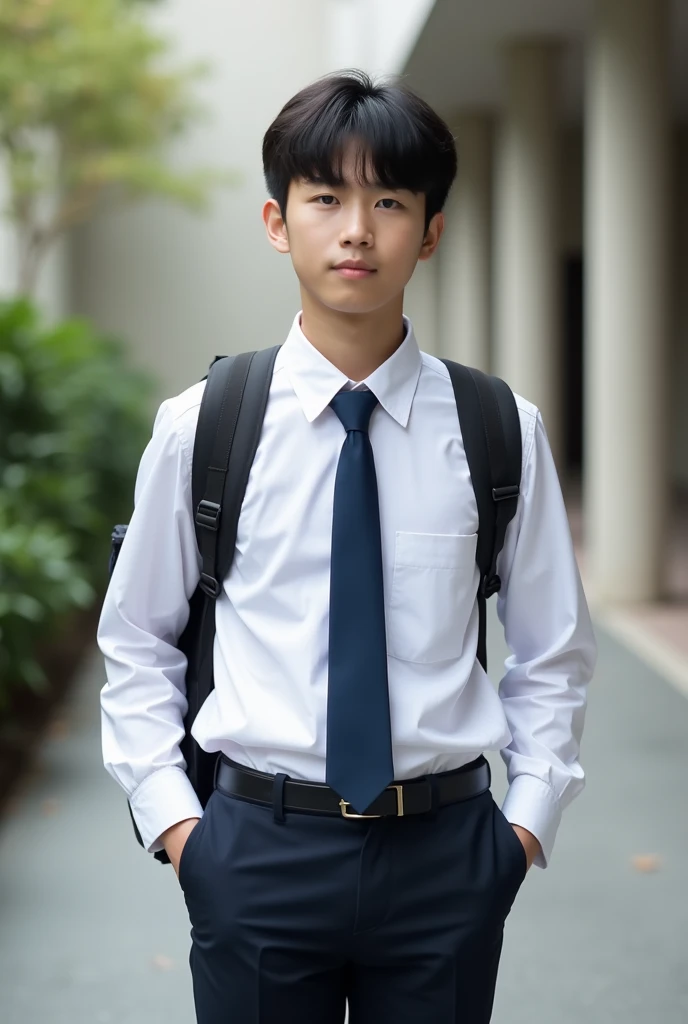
x=345, y=654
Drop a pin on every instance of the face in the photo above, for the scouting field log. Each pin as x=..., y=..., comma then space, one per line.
x=380, y=229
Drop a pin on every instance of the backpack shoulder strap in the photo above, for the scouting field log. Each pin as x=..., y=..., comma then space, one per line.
x=491, y=432
x=229, y=425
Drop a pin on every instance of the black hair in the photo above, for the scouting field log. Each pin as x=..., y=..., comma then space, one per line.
x=401, y=142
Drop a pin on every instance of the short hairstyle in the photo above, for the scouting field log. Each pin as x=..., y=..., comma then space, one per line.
x=401, y=142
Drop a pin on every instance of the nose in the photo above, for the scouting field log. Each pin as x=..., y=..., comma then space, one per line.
x=356, y=229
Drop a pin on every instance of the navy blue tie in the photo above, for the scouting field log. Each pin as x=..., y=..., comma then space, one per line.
x=359, y=741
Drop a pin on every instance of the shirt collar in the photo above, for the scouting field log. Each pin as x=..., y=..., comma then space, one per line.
x=316, y=380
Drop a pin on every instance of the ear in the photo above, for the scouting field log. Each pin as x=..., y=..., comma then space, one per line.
x=276, y=226
x=432, y=237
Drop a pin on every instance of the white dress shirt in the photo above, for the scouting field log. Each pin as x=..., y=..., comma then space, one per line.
x=269, y=706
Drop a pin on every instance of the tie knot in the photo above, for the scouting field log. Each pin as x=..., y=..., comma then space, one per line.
x=354, y=409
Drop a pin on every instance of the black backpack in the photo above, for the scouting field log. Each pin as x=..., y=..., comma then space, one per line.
x=230, y=420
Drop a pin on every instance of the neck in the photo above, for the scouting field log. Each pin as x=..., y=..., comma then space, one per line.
x=356, y=343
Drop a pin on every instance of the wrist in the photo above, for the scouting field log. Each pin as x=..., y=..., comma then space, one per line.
x=179, y=827
x=174, y=838
x=530, y=843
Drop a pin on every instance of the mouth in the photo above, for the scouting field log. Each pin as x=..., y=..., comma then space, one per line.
x=354, y=270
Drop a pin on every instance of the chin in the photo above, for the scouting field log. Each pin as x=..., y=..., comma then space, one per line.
x=353, y=303
x=352, y=307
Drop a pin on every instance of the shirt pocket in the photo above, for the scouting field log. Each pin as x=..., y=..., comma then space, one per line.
x=434, y=584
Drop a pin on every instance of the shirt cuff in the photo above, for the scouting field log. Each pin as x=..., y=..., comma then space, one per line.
x=533, y=805
x=160, y=801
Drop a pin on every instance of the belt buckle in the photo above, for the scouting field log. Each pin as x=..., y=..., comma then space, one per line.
x=343, y=804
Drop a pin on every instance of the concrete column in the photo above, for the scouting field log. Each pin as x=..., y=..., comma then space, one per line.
x=464, y=252
x=526, y=232
x=627, y=285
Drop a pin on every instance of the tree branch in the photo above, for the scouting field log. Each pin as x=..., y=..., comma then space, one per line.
x=73, y=209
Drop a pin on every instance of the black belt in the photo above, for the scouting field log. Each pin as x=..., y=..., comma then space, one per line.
x=413, y=796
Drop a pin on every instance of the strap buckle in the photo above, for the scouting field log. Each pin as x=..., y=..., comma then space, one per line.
x=208, y=514
x=343, y=804
x=209, y=585
x=490, y=585
x=504, y=493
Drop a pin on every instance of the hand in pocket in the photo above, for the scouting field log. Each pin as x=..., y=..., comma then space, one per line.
x=174, y=840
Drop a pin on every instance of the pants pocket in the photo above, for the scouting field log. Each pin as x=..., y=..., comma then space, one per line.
x=188, y=850
x=517, y=852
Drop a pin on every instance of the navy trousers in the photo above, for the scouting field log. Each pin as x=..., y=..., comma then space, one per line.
x=294, y=914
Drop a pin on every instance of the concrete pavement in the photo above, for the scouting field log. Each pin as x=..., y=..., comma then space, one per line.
x=94, y=931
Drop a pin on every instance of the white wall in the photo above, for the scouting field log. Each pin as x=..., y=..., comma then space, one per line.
x=349, y=43
x=377, y=35
x=394, y=27
x=182, y=288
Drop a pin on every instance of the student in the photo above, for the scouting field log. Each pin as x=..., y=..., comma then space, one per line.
x=345, y=654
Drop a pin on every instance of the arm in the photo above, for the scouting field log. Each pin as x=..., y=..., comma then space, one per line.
x=145, y=610
x=548, y=630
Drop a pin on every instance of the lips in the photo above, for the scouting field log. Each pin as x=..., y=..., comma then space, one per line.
x=354, y=265
x=354, y=269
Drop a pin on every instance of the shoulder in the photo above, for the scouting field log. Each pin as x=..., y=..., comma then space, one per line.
x=178, y=415
x=528, y=412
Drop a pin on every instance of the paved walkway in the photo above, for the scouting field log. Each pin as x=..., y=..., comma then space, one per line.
x=656, y=631
x=93, y=931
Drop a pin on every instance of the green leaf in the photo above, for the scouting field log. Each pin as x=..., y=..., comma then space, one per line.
x=63, y=482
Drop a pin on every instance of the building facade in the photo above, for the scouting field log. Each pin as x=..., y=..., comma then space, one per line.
x=570, y=125
x=564, y=262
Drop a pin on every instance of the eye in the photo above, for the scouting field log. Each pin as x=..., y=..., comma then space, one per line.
x=318, y=198
x=390, y=201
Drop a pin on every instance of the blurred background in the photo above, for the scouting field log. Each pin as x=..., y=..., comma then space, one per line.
x=132, y=251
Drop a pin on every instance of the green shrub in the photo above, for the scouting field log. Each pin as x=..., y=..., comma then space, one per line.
x=74, y=419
